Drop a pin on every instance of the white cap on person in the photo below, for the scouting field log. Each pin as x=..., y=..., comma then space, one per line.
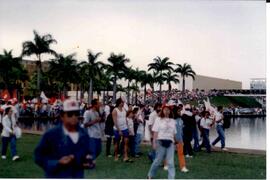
x=70, y=105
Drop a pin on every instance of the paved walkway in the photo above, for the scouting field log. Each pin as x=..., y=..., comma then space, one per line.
x=215, y=149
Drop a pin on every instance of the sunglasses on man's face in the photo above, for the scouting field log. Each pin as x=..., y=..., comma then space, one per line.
x=72, y=113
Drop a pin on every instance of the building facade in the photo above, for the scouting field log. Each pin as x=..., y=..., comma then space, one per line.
x=258, y=83
x=208, y=83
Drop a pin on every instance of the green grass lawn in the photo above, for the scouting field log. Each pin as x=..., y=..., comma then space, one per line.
x=236, y=101
x=203, y=165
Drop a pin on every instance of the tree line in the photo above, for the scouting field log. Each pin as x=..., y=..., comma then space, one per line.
x=89, y=75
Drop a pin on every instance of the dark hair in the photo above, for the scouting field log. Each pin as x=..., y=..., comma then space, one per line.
x=7, y=110
x=129, y=112
x=111, y=109
x=219, y=108
x=94, y=102
x=157, y=105
x=162, y=114
x=135, y=110
x=118, y=102
x=175, y=110
x=206, y=112
x=141, y=105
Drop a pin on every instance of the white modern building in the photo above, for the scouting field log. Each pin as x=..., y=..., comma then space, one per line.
x=258, y=83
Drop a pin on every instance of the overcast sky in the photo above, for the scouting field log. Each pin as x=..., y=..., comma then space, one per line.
x=224, y=39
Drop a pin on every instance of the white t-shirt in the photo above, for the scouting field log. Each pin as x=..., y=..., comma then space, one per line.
x=165, y=127
x=107, y=110
x=152, y=117
x=140, y=129
x=95, y=130
x=121, y=119
x=74, y=136
x=206, y=123
x=130, y=126
x=218, y=117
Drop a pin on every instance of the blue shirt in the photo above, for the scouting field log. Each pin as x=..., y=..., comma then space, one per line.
x=179, y=129
x=54, y=145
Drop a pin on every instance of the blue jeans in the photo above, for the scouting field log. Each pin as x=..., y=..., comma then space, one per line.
x=195, y=136
x=95, y=147
x=152, y=155
x=161, y=154
x=131, y=142
x=5, y=141
x=221, y=136
x=138, y=139
x=206, y=141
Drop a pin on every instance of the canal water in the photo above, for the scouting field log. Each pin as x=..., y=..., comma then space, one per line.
x=246, y=133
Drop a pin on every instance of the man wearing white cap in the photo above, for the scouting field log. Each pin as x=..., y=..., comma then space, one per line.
x=63, y=151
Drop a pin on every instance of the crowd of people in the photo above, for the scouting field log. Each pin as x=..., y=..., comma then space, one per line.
x=72, y=145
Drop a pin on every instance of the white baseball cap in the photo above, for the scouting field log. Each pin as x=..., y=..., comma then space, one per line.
x=70, y=105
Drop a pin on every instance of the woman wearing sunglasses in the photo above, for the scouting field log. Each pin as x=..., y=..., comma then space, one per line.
x=63, y=151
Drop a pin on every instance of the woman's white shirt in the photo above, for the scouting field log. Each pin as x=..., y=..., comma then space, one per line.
x=165, y=127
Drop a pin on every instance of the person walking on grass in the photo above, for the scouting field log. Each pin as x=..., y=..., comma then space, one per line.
x=120, y=129
x=92, y=122
x=8, y=134
x=139, y=117
x=179, y=138
x=163, y=142
x=218, y=117
x=152, y=117
x=109, y=132
x=189, y=123
x=206, y=124
x=130, y=122
x=63, y=152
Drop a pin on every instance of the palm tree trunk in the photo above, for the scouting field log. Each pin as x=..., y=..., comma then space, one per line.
x=90, y=91
x=170, y=87
x=183, y=85
x=65, y=91
x=132, y=98
x=160, y=92
x=77, y=92
x=144, y=96
x=136, y=95
x=38, y=73
x=128, y=94
x=82, y=92
x=114, y=89
x=160, y=88
x=103, y=98
x=107, y=96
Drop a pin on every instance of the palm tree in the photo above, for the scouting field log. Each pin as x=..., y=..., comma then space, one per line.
x=117, y=66
x=94, y=71
x=129, y=75
x=63, y=69
x=134, y=89
x=12, y=73
x=40, y=45
x=169, y=78
x=160, y=65
x=185, y=70
x=146, y=79
x=138, y=76
x=83, y=80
